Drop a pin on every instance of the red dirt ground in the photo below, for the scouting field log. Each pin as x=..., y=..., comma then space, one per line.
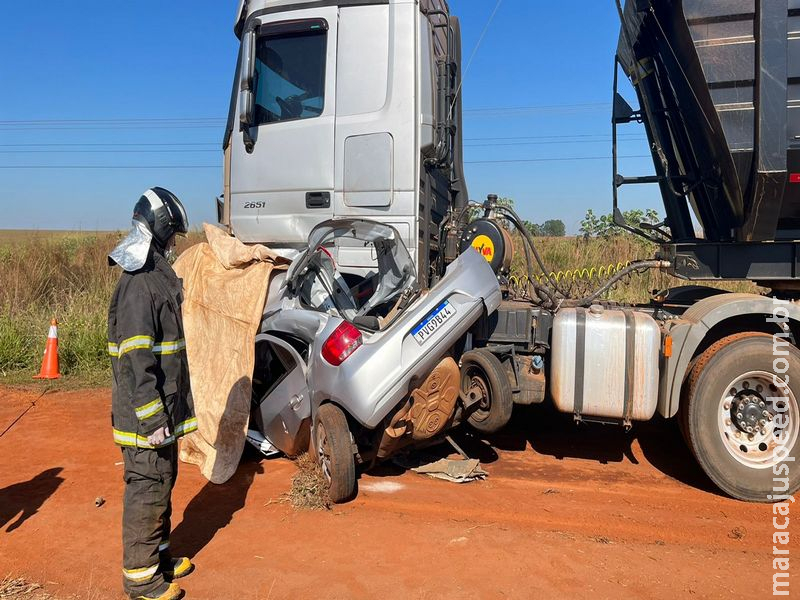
x=588, y=512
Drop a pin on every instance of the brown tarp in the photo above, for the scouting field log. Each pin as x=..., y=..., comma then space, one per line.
x=225, y=285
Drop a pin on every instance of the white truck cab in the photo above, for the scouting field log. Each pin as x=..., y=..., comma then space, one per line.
x=344, y=108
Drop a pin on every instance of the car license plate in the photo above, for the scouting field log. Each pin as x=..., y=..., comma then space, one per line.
x=423, y=331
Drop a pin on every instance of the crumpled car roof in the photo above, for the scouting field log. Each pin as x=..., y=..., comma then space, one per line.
x=395, y=267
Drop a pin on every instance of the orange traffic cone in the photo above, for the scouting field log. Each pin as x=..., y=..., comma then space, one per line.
x=50, y=360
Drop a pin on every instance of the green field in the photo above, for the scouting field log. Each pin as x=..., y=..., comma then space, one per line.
x=65, y=275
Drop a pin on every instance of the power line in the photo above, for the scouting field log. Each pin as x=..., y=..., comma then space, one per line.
x=555, y=137
x=581, y=105
x=523, y=110
x=472, y=55
x=575, y=137
x=112, y=151
x=565, y=159
x=116, y=123
x=51, y=145
x=192, y=150
x=100, y=127
x=512, y=111
x=55, y=167
x=507, y=161
x=119, y=120
x=209, y=147
x=208, y=121
x=549, y=142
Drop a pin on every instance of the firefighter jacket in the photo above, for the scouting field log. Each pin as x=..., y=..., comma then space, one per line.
x=148, y=356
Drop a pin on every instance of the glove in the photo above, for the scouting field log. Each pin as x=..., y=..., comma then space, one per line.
x=158, y=437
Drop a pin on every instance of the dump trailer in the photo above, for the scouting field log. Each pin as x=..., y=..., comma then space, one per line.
x=350, y=109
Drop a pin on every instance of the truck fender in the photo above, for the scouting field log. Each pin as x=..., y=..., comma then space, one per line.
x=690, y=331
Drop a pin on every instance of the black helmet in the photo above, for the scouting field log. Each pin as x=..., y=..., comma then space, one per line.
x=162, y=213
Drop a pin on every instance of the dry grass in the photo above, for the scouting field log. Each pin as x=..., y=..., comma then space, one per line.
x=582, y=254
x=17, y=236
x=65, y=275
x=19, y=588
x=63, y=278
x=16, y=588
x=309, y=488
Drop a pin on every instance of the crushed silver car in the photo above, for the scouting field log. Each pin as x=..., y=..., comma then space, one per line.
x=364, y=365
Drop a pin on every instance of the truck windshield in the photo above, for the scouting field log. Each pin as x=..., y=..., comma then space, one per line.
x=290, y=75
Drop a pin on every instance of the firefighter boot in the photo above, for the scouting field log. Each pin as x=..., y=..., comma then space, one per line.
x=169, y=591
x=175, y=568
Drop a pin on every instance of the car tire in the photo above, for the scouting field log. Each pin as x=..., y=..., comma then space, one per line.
x=334, y=451
x=729, y=389
x=484, y=369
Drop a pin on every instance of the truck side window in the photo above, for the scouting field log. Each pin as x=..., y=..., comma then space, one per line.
x=290, y=73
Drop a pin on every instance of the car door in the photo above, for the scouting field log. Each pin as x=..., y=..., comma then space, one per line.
x=283, y=412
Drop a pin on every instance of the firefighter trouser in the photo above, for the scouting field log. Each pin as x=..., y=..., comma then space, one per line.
x=147, y=508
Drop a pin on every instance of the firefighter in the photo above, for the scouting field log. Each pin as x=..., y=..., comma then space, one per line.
x=151, y=403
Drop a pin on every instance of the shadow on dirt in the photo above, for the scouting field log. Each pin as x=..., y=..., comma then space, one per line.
x=472, y=445
x=27, y=497
x=555, y=434
x=544, y=430
x=215, y=504
x=213, y=508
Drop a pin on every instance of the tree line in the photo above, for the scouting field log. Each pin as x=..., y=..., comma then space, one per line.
x=592, y=225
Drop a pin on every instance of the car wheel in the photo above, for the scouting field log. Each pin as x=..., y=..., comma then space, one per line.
x=741, y=417
x=483, y=375
x=334, y=450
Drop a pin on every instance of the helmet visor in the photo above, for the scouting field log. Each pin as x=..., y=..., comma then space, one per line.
x=182, y=222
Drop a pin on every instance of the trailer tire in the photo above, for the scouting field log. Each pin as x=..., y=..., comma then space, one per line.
x=693, y=371
x=484, y=369
x=334, y=451
x=729, y=388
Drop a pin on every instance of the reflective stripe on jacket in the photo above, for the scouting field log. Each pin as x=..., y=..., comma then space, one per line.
x=148, y=356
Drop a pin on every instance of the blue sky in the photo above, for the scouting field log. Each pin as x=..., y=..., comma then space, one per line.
x=92, y=60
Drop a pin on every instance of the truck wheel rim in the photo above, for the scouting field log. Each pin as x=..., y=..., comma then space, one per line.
x=323, y=453
x=474, y=378
x=749, y=423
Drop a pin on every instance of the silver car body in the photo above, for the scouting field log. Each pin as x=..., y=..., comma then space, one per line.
x=379, y=374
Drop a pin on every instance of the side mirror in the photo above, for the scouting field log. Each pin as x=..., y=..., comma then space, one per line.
x=623, y=113
x=246, y=94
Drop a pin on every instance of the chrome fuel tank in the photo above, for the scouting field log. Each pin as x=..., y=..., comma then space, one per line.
x=605, y=363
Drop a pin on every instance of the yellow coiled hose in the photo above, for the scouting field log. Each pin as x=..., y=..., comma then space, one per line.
x=572, y=275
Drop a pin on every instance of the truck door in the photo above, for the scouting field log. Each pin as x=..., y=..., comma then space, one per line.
x=376, y=157
x=282, y=165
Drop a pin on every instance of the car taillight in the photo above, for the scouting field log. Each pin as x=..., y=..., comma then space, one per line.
x=344, y=340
